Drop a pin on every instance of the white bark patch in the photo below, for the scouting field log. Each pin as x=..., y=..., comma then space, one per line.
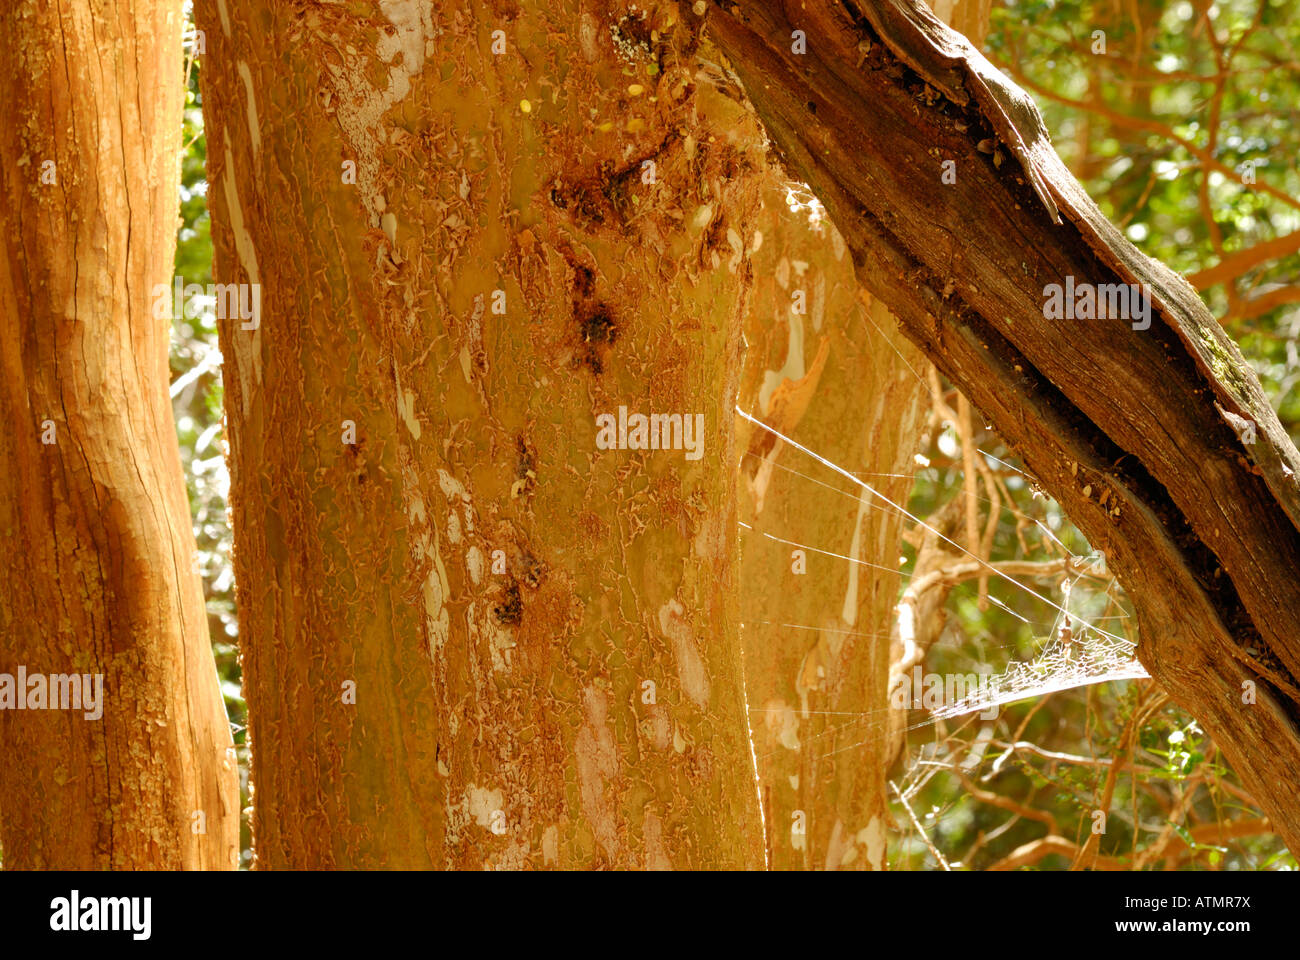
x=253, y=131
x=550, y=844
x=661, y=727
x=793, y=368
x=656, y=854
x=474, y=565
x=837, y=244
x=849, y=612
x=501, y=644
x=457, y=496
x=406, y=406
x=243, y=239
x=782, y=723
x=413, y=22
x=225, y=16
x=690, y=667
x=481, y=803
x=248, y=350
x=362, y=107
x=597, y=764
x=763, y=476
x=482, y=627
x=872, y=839
x=451, y=487
x=835, y=849
x=435, y=592
x=737, y=249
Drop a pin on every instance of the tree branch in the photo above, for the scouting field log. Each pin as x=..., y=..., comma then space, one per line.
x=1235, y=264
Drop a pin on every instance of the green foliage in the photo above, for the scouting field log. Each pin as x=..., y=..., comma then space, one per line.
x=1172, y=119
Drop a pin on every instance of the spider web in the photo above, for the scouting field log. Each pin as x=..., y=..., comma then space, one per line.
x=1061, y=665
x=1078, y=654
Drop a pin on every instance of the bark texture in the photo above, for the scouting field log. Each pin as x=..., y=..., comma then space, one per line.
x=97, y=574
x=471, y=637
x=827, y=366
x=818, y=596
x=1199, y=523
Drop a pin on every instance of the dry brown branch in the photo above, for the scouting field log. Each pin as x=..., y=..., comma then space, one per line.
x=1235, y=264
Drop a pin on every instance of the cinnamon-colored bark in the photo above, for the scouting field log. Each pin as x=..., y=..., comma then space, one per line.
x=97, y=574
x=472, y=636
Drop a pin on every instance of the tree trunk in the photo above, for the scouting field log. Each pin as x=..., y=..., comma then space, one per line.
x=98, y=575
x=471, y=635
x=1158, y=442
x=828, y=360
x=817, y=597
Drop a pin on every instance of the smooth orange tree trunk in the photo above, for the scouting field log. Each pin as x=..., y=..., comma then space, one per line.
x=472, y=635
x=97, y=574
x=828, y=367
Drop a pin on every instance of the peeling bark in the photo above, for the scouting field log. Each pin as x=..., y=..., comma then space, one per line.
x=826, y=366
x=542, y=634
x=1200, y=526
x=841, y=379
x=97, y=576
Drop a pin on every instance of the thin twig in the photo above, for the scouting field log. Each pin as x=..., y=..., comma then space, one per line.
x=919, y=829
